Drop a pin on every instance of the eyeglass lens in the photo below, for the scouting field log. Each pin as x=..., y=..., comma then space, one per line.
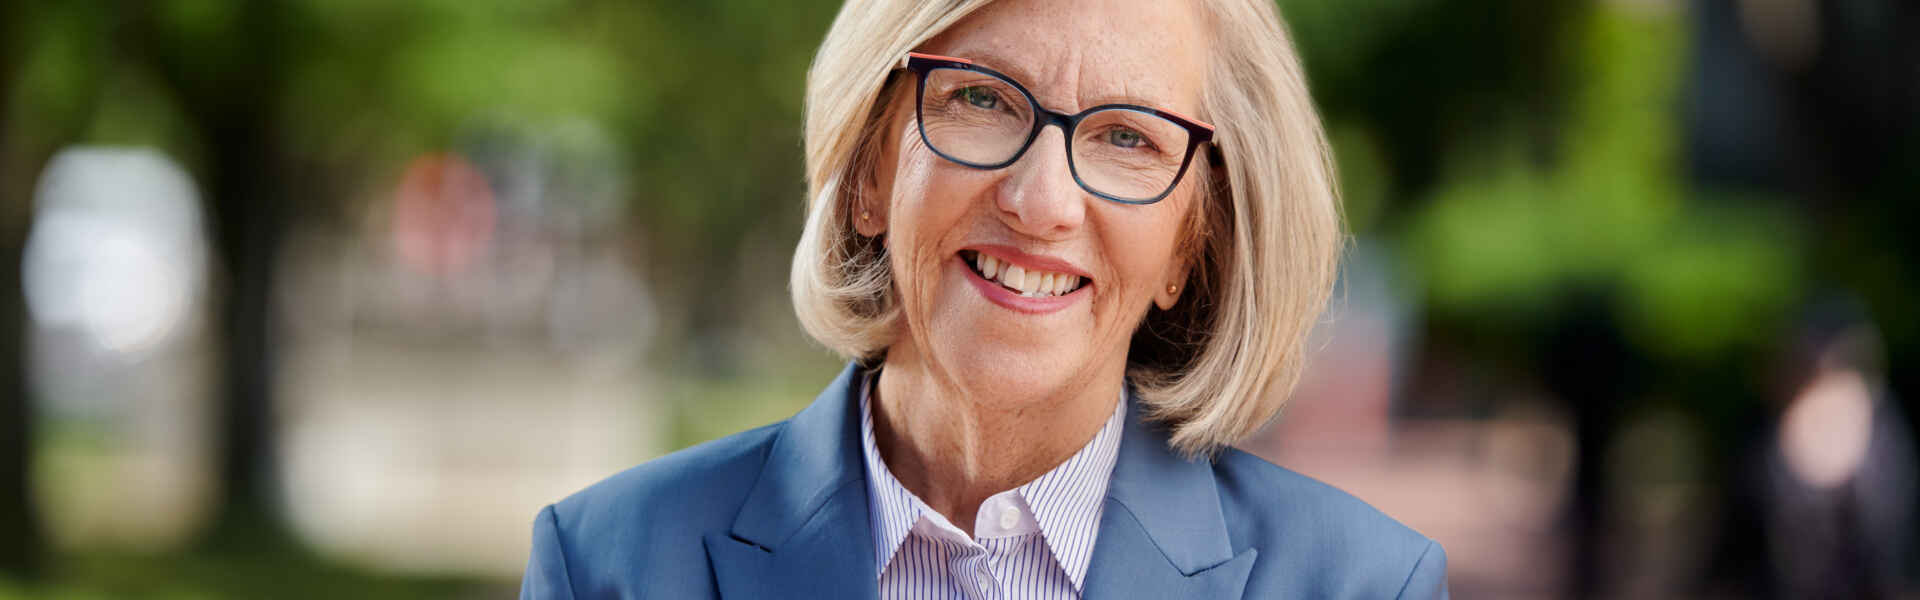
x=983, y=120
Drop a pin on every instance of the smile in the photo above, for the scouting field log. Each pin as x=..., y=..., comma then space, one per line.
x=1029, y=283
x=1021, y=287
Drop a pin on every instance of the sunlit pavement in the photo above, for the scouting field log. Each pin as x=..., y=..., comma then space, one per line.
x=435, y=459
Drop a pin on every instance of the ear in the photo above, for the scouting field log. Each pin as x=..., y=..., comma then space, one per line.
x=872, y=191
x=869, y=208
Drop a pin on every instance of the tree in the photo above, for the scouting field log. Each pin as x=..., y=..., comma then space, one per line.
x=21, y=542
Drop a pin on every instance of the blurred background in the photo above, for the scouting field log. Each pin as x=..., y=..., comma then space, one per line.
x=325, y=298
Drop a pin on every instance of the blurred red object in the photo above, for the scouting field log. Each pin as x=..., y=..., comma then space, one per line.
x=443, y=214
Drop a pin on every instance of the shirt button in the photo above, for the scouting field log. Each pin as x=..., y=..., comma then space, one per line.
x=1009, y=517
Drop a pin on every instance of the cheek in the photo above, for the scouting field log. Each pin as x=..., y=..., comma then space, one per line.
x=933, y=201
x=929, y=217
x=1146, y=245
x=924, y=206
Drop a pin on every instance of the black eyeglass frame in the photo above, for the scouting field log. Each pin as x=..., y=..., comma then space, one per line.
x=922, y=64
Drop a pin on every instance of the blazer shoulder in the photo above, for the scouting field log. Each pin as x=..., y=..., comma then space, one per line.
x=1298, y=519
x=632, y=531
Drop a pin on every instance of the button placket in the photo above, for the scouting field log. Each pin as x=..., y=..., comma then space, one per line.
x=980, y=585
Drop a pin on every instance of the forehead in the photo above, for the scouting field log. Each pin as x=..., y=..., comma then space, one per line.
x=1076, y=53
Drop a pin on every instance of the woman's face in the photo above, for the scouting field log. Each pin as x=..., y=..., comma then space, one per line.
x=941, y=217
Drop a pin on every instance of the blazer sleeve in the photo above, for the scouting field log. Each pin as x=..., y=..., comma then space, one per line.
x=1429, y=577
x=546, y=576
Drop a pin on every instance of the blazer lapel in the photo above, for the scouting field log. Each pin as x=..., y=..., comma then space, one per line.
x=1162, y=534
x=804, y=531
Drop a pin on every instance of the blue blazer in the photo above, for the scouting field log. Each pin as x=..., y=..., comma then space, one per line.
x=781, y=512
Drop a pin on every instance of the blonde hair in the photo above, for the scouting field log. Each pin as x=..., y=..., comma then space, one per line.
x=1221, y=363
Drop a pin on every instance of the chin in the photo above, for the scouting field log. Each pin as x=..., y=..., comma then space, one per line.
x=1005, y=356
x=1015, y=374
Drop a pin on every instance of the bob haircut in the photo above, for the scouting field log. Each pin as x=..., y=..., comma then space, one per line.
x=1265, y=241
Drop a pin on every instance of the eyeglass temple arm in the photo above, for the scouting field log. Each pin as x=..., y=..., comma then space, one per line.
x=912, y=55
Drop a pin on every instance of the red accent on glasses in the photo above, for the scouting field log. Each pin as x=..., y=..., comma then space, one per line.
x=939, y=57
x=1193, y=120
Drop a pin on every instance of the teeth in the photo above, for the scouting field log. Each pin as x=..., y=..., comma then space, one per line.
x=1031, y=284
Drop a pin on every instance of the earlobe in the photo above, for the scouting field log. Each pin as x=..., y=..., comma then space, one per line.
x=869, y=207
x=871, y=194
x=1167, y=297
x=1169, y=294
x=868, y=222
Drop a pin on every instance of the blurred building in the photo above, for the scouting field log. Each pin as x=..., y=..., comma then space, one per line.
x=466, y=348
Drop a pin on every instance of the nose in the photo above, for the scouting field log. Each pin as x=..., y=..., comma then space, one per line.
x=1038, y=197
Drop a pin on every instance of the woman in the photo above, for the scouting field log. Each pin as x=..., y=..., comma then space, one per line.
x=1063, y=300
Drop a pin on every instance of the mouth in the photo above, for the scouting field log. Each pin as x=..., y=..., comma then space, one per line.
x=1021, y=281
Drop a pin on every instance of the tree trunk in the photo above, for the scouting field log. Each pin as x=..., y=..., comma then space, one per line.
x=20, y=539
x=247, y=224
x=1589, y=367
x=231, y=99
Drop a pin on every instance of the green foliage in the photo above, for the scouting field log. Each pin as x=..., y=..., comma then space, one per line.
x=284, y=573
x=1487, y=243
x=63, y=55
x=1335, y=37
x=1505, y=239
x=135, y=110
x=1717, y=280
x=1365, y=180
x=382, y=82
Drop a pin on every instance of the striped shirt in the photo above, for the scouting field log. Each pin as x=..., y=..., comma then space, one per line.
x=1033, y=541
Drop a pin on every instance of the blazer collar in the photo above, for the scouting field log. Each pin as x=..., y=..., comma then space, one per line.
x=1163, y=533
x=817, y=455
x=804, y=528
x=804, y=531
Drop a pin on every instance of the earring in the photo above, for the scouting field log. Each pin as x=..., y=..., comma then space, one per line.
x=865, y=215
x=1172, y=289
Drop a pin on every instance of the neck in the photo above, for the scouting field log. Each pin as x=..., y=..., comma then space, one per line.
x=954, y=448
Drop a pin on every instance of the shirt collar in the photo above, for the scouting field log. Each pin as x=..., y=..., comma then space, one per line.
x=1066, y=502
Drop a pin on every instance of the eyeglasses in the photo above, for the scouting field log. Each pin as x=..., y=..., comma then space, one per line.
x=979, y=118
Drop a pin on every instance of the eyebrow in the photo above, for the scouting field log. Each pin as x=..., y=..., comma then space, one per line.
x=989, y=59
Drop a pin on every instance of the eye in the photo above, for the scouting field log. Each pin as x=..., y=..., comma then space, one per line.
x=1125, y=138
x=979, y=96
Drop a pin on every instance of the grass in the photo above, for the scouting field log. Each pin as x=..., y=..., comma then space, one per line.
x=247, y=562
